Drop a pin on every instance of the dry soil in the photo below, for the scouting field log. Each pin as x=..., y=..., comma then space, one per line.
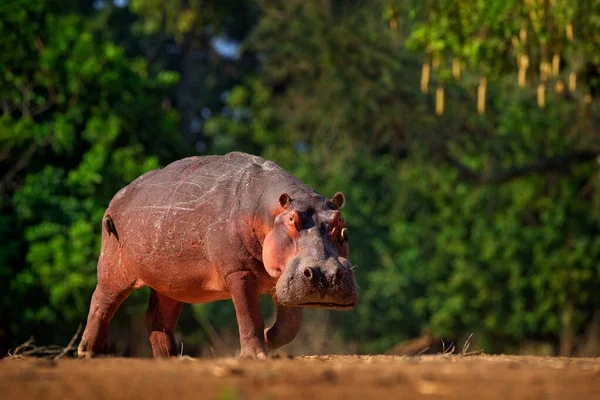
x=322, y=377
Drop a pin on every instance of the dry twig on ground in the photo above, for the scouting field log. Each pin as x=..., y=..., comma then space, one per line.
x=54, y=352
x=448, y=351
x=465, y=351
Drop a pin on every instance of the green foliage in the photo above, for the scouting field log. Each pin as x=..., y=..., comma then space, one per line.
x=459, y=223
x=502, y=256
x=179, y=18
x=499, y=260
x=80, y=121
x=488, y=36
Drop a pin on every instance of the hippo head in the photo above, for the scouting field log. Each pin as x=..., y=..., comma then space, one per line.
x=307, y=250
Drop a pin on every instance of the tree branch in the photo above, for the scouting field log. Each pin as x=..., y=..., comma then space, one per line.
x=17, y=166
x=21, y=163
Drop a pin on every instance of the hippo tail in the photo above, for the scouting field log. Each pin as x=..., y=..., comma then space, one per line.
x=109, y=224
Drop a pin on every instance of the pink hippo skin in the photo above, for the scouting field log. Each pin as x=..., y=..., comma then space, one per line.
x=221, y=227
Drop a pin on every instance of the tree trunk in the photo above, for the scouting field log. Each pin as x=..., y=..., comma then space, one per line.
x=566, y=332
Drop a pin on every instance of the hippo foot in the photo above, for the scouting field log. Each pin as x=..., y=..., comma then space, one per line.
x=85, y=354
x=87, y=350
x=253, y=354
x=83, y=350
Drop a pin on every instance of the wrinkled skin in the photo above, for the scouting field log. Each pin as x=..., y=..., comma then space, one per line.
x=221, y=227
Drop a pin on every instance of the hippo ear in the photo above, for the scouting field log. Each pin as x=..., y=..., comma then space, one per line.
x=338, y=200
x=284, y=200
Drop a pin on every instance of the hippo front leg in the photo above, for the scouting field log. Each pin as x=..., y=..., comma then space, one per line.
x=286, y=326
x=243, y=287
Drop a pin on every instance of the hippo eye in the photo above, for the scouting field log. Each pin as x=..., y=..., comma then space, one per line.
x=294, y=221
x=344, y=235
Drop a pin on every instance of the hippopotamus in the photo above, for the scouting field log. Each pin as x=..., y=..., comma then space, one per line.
x=210, y=228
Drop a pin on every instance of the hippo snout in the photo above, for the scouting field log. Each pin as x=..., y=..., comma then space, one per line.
x=328, y=284
x=320, y=277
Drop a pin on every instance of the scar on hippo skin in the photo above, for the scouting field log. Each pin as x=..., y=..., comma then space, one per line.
x=110, y=226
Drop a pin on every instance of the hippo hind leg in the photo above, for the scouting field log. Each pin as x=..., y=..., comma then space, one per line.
x=116, y=281
x=105, y=302
x=161, y=320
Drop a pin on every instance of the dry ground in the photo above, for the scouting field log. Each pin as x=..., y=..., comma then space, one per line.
x=329, y=377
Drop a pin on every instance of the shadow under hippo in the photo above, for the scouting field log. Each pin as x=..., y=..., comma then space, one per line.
x=221, y=227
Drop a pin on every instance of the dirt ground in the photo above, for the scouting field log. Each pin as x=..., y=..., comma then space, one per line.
x=329, y=377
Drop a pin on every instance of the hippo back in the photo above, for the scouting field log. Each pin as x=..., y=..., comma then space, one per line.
x=166, y=216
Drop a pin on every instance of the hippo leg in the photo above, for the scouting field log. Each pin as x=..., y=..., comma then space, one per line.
x=246, y=298
x=105, y=302
x=161, y=319
x=286, y=327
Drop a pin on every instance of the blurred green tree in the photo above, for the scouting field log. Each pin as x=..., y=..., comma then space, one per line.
x=462, y=223
x=79, y=120
x=482, y=218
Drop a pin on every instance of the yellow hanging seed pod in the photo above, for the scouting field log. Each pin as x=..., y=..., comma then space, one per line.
x=515, y=41
x=521, y=76
x=439, y=101
x=544, y=70
x=523, y=65
x=456, y=68
x=569, y=31
x=523, y=34
x=425, y=71
x=541, y=95
x=572, y=82
x=481, y=89
x=555, y=64
x=559, y=88
x=436, y=63
x=588, y=98
x=524, y=60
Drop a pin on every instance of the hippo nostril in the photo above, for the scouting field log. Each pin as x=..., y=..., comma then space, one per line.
x=339, y=273
x=308, y=273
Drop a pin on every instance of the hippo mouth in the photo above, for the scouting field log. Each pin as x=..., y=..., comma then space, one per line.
x=330, y=306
